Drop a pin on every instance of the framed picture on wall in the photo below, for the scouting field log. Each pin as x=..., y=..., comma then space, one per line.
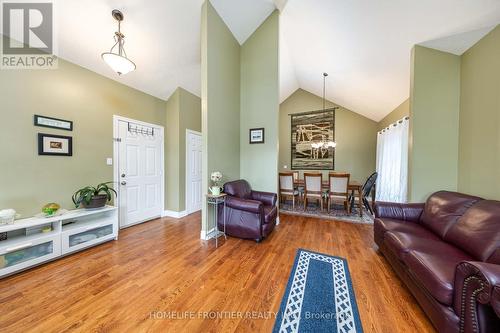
x=313, y=140
x=257, y=135
x=57, y=145
x=62, y=124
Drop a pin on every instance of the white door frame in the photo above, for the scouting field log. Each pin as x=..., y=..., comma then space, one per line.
x=188, y=180
x=116, y=159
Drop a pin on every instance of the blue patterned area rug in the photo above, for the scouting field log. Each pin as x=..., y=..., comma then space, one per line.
x=319, y=297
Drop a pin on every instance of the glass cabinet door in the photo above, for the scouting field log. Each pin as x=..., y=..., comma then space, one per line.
x=28, y=253
x=90, y=235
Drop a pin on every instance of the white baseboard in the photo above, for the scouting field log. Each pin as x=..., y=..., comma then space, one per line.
x=174, y=214
x=206, y=235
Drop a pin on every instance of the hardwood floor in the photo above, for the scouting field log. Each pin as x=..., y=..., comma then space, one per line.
x=160, y=267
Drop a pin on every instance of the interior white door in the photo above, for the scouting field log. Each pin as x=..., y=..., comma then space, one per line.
x=193, y=171
x=140, y=173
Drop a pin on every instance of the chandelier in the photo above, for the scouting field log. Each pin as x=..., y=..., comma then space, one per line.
x=118, y=60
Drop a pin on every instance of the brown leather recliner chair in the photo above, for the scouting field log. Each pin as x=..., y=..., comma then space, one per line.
x=249, y=214
x=447, y=251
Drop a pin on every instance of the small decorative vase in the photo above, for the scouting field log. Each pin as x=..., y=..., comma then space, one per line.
x=215, y=190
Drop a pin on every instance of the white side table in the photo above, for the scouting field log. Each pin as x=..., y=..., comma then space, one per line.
x=215, y=200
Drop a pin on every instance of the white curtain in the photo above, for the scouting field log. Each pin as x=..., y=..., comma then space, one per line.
x=392, y=162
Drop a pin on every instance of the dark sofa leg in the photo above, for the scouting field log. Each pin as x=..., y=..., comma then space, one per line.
x=258, y=240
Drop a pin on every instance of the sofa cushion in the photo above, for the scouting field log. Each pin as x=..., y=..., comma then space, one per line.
x=400, y=211
x=401, y=242
x=478, y=231
x=270, y=213
x=238, y=188
x=443, y=209
x=381, y=226
x=435, y=267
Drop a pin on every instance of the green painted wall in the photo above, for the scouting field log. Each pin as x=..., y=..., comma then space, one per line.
x=27, y=180
x=220, y=83
x=172, y=152
x=434, y=125
x=183, y=111
x=260, y=105
x=356, y=136
x=398, y=113
x=479, y=149
x=190, y=118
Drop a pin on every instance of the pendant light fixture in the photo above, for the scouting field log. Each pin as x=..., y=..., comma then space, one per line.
x=324, y=144
x=324, y=90
x=329, y=144
x=118, y=60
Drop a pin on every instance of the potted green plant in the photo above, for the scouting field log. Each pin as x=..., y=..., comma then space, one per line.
x=94, y=197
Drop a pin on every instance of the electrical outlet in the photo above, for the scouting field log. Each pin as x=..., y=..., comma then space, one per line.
x=109, y=161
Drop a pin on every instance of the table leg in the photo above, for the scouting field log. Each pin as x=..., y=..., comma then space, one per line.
x=216, y=226
x=225, y=237
x=360, y=199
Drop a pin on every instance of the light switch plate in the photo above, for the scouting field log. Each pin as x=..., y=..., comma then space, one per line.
x=109, y=161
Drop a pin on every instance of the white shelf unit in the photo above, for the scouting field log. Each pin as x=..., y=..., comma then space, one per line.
x=27, y=245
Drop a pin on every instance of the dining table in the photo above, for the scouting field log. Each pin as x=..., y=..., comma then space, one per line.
x=354, y=186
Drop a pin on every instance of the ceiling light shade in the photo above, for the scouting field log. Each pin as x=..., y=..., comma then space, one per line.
x=119, y=64
x=118, y=60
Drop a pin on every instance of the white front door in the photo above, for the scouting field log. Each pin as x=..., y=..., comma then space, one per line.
x=193, y=171
x=140, y=168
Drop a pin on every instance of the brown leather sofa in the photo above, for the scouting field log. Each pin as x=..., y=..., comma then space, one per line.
x=249, y=214
x=447, y=251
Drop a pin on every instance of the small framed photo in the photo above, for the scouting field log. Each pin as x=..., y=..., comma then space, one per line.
x=43, y=121
x=57, y=145
x=257, y=135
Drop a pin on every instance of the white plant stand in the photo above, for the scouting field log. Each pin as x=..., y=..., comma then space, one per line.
x=34, y=241
x=215, y=200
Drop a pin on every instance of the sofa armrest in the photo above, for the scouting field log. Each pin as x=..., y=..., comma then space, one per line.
x=267, y=198
x=246, y=205
x=475, y=282
x=495, y=300
x=406, y=212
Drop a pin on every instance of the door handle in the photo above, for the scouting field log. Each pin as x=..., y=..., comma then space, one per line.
x=123, y=183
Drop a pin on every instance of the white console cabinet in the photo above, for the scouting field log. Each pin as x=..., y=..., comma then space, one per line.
x=33, y=241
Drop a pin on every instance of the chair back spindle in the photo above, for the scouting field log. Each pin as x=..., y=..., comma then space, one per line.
x=370, y=182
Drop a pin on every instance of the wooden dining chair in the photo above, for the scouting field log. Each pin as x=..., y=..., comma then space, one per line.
x=299, y=188
x=312, y=188
x=338, y=189
x=286, y=188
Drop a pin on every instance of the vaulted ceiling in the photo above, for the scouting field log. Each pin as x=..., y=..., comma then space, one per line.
x=161, y=36
x=364, y=45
